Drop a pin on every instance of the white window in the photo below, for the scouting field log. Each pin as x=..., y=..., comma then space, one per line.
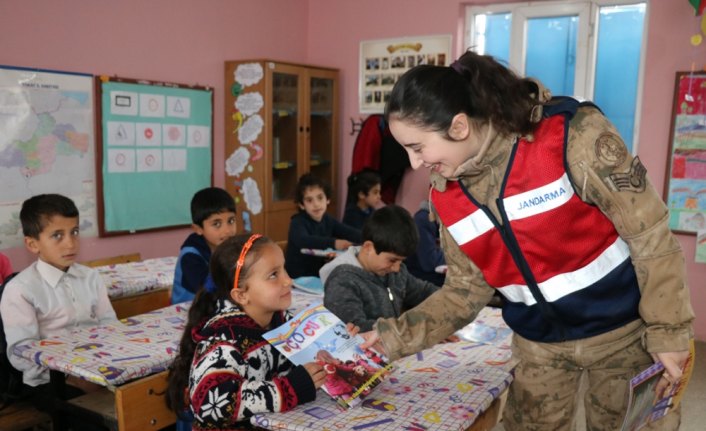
x=588, y=49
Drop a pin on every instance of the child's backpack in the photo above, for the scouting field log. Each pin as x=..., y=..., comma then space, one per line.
x=11, y=386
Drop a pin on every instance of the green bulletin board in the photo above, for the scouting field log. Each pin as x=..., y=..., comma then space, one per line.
x=155, y=149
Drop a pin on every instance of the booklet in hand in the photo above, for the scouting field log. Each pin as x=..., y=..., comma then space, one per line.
x=317, y=335
x=645, y=405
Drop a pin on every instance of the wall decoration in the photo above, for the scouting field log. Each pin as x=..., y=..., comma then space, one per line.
x=383, y=61
x=685, y=184
x=46, y=144
x=154, y=151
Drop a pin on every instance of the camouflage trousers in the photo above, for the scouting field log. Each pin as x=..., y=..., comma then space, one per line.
x=545, y=392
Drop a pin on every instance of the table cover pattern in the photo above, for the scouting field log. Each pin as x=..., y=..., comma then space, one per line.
x=112, y=354
x=445, y=387
x=133, y=278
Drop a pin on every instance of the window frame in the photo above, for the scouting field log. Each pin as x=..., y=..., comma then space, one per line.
x=587, y=40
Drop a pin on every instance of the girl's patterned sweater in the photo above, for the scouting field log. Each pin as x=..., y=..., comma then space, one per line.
x=235, y=373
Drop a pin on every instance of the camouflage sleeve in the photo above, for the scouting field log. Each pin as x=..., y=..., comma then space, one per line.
x=605, y=174
x=450, y=308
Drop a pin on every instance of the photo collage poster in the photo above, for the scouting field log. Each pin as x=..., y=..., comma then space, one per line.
x=382, y=62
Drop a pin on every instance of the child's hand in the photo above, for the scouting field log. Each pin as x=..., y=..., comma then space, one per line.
x=342, y=244
x=316, y=372
x=372, y=340
x=352, y=329
x=451, y=339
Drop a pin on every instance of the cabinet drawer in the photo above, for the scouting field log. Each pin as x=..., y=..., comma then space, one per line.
x=141, y=405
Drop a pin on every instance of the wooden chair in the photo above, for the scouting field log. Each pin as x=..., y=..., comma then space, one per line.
x=123, y=258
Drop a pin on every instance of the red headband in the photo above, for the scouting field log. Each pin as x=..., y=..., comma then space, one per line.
x=241, y=258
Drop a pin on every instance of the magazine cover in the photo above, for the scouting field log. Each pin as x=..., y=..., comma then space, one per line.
x=644, y=404
x=317, y=335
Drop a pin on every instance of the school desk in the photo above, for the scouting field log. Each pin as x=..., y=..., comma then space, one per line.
x=451, y=386
x=138, y=287
x=128, y=357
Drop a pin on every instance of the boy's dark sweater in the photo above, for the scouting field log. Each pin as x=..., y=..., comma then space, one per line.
x=305, y=232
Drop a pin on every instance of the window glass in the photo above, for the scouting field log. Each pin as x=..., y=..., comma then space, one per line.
x=551, y=52
x=618, y=64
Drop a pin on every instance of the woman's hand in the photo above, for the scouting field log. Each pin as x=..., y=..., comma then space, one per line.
x=673, y=364
x=316, y=372
x=372, y=341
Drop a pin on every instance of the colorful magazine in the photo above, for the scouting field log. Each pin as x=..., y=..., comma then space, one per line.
x=317, y=335
x=644, y=404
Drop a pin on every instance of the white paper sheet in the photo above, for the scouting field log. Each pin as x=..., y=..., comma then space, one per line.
x=198, y=136
x=149, y=160
x=152, y=105
x=123, y=103
x=173, y=135
x=120, y=133
x=174, y=160
x=149, y=134
x=121, y=160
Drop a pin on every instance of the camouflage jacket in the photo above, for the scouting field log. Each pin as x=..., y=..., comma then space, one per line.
x=605, y=174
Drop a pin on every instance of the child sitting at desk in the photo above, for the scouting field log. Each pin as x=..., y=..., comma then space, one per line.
x=363, y=197
x=54, y=293
x=229, y=370
x=213, y=218
x=429, y=255
x=371, y=281
x=313, y=227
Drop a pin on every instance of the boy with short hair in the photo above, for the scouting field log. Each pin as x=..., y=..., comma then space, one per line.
x=371, y=281
x=54, y=293
x=213, y=221
x=312, y=227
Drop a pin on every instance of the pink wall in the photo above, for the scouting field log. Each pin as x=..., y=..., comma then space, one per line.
x=337, y=27
x=186, y=41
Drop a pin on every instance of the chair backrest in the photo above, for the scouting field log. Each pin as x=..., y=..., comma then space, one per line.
x=123, y=258
x=11, y=386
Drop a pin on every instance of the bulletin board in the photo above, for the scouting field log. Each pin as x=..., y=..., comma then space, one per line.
x=383, y=61
x=154, y=151
x=685, y=185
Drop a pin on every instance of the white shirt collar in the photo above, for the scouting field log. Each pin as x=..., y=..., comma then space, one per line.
x=50, y=273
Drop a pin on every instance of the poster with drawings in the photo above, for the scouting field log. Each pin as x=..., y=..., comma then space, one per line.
x=155, y=143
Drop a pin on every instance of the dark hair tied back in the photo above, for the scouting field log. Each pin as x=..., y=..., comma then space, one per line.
x=477, y=85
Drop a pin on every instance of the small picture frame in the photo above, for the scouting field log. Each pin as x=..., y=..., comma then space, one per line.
x=685, y=182
x=383, y=61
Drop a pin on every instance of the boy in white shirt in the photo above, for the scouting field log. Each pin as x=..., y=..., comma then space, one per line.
x=54, y=294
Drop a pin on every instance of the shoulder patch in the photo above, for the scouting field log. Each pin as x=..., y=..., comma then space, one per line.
x=610, y=149
x=634, y=180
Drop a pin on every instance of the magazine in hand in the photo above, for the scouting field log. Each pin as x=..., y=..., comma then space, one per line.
x=317, y=335
x=644, y=404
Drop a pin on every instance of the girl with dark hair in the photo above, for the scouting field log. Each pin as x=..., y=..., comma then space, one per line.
x=225, y=371
x=363, y=197
x=539, y=199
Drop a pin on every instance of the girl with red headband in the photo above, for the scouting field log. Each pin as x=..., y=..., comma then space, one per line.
x=225, y=371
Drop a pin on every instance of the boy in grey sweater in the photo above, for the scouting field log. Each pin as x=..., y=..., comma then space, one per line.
x=371, y=281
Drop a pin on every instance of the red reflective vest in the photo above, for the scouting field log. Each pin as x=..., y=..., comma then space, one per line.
x=559, y=262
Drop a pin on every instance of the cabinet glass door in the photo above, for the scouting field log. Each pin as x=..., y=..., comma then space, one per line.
x=285, y=122
x=321, y=121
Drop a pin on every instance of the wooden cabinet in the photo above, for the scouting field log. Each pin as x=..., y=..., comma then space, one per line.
x=281, y=122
